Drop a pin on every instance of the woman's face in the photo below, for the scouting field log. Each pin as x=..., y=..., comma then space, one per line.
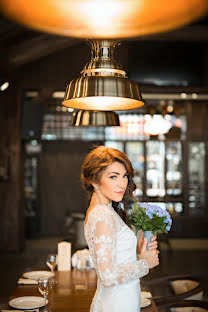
x=113, y=183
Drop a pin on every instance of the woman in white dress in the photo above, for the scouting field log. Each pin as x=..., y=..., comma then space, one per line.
x=108, y=176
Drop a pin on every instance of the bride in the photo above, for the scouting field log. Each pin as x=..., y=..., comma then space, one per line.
x=108, y=176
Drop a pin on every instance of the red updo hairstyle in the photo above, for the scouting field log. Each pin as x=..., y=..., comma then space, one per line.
x=96, y=162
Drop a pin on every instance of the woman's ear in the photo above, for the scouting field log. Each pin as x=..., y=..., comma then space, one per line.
x=95, y=186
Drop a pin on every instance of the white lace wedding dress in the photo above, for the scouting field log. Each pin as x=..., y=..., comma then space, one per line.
x=112, y=245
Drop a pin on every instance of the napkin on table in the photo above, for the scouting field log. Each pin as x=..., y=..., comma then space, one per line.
x=33, y=310
x=146, y=294
x=82, y=260
x=27, y=281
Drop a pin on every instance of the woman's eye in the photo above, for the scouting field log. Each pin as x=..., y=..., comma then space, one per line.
x=126, y=176
x=113, y=177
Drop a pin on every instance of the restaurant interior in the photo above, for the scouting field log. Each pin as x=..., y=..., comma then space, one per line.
x=43, y=144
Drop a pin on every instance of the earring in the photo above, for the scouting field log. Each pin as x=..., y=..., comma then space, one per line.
x=96, y=188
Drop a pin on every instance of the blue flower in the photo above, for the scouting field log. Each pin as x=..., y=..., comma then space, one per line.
x=161, y=213
x=152, y=212
x=149, y=213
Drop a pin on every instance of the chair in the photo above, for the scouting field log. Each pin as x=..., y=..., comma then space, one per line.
x=164, y=238
x=184, y=306
x=179, y=287
x=74, y=230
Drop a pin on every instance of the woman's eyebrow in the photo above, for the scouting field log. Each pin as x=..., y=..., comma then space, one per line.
x=117, y=173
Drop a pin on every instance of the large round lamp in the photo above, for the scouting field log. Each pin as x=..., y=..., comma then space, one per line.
x=104, y=18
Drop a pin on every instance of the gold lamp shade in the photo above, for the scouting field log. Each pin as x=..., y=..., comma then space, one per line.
x=103, y=93
x=103, y=85
x=104, y=18
x=95, y=119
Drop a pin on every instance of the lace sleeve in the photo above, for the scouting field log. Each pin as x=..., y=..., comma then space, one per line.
x=104, y=244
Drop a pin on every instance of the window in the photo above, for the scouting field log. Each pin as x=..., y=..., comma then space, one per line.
x=196, y=169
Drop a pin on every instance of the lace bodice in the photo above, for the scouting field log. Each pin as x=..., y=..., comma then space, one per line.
x=112, y=246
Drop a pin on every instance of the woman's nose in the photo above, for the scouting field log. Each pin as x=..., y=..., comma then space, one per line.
x=123, y=183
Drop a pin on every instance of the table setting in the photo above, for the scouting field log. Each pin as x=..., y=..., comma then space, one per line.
x=68, y=284
x=43, y=281
x=145, y=299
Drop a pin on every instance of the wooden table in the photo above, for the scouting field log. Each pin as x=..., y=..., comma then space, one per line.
x=73, y=292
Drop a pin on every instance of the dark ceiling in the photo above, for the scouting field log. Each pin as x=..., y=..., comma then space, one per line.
x=21, y=45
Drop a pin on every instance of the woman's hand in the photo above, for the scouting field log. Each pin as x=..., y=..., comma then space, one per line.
x=153, y=245
x=151, y=255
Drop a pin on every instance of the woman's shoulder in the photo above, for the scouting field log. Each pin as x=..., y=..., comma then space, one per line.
x=100, y=213
x=102, y=209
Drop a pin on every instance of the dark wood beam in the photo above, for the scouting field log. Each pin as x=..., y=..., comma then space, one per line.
x=192, y=33
x=41, y=46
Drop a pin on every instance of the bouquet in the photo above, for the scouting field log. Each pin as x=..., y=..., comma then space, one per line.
x=150, y=217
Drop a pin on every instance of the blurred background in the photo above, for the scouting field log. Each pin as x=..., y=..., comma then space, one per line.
x=41, y=196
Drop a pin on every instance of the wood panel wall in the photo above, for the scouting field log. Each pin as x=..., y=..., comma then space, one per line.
x=197, y=120
x=11, y=190
x=61, y=190
x=47, y=75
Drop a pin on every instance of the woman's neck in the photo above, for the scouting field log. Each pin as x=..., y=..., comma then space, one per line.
x=99, y=199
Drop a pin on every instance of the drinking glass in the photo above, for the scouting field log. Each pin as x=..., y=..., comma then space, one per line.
x=45, y=286
x=51, y=262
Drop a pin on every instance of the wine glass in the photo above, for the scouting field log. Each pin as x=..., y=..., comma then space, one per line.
x=51, y=262
x=45, y=286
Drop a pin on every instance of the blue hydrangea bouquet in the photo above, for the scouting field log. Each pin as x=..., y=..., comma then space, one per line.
x=150, y=217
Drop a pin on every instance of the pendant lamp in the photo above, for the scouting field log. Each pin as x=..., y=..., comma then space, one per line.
x=104, y=18
x=95, y=119
x=103, y=85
